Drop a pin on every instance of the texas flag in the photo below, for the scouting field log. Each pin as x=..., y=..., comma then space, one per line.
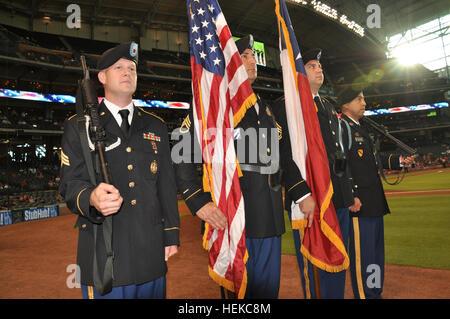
x=322, y=243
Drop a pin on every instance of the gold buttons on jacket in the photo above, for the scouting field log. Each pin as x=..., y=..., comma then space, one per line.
x=128, y=149
x=133, y=202
x=130, y=167
x=131, y=184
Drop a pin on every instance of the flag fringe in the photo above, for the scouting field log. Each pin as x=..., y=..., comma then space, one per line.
x=331, y=235
x=248, y=103
x=299, y=223
x=322, y=265
x=227, y=284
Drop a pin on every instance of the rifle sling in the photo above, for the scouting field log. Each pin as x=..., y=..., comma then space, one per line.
x=103, y=286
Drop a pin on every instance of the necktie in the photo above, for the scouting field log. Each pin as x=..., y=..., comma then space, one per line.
x=319, y=103
x=125, y=126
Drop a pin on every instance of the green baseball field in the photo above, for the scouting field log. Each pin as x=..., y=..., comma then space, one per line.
x=417, y=232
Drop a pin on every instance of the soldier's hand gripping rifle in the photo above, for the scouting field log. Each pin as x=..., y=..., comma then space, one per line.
x=87, y=104
x=405, y=148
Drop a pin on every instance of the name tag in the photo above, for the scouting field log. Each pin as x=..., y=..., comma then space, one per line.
x=359, y=139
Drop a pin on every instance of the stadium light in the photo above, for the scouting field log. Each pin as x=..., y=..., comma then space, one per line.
x=409, y=54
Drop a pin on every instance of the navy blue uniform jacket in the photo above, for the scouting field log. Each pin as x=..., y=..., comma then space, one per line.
x=263, y=206
x=141, y=169
x=363, y=165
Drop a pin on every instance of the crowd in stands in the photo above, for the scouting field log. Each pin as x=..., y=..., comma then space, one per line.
x=17, y=201
x=30, y=183
x=32, y=118
x=413, y=120
x=29, y=176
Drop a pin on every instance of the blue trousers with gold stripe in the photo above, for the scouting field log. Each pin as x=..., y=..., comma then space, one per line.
x=366, y=252
x=332, y=285
x=155, y=289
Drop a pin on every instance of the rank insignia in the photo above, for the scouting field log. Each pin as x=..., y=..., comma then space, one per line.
x=154, y=167
x=360, y=152
x=151, y=136
x=186, y=125
x=64, y=159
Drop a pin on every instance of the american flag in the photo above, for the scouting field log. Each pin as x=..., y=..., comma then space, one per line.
x=221, y=95
x=322, y=243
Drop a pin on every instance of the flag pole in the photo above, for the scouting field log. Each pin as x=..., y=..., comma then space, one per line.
x=317, y=282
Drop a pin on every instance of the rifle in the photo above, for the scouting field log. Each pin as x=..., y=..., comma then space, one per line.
x=382, y=130
x=87, y=104
x=405, y=148
x=97, y=132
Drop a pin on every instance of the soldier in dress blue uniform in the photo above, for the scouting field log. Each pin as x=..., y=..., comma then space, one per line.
x=141, y=198
x=335, y=137
x=366, y=248
x=264, y=219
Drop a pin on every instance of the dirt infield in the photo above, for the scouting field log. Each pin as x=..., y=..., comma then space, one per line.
x=34, y=257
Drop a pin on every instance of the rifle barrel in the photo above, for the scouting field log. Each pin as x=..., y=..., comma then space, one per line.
x=84, y=66
x=383, y=131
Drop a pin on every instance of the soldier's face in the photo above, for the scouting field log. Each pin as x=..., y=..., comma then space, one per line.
x=314, y=73
x=356, y=107
x=119, y=78
x=248, y=59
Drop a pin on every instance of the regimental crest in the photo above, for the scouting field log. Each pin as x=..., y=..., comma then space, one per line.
x=360, y=152
x=133, y=49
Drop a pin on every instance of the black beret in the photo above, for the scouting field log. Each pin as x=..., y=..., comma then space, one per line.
x=348, y=94
x=245, y=43
x=313, y=54
x=127, y=51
